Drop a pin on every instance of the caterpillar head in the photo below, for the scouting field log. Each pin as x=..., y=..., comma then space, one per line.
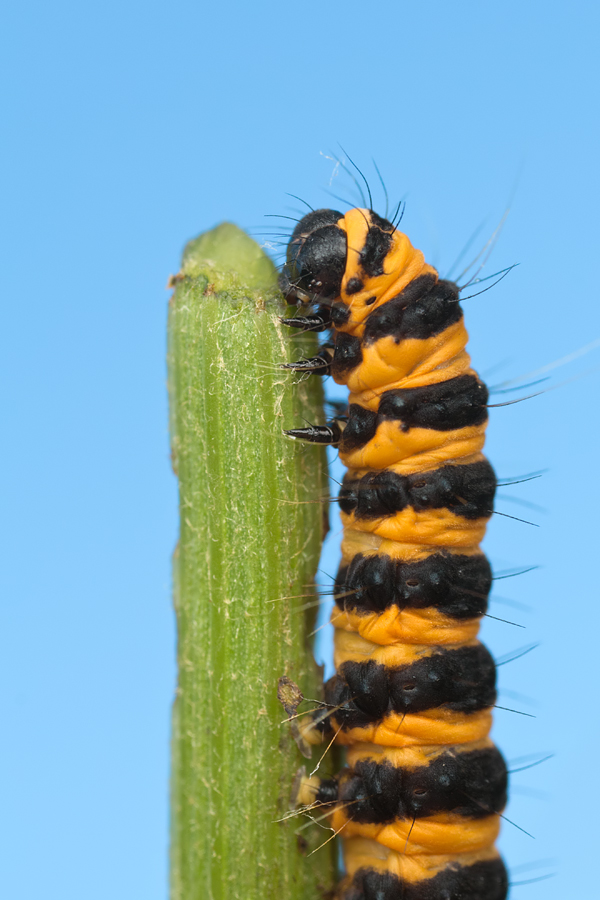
x=316, y=259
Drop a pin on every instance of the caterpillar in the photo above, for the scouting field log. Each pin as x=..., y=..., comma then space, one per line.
x=419, y=801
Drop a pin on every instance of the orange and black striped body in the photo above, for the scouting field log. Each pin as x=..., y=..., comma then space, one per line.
x=418, y=805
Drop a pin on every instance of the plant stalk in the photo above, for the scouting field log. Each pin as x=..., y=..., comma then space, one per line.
x=252, y=513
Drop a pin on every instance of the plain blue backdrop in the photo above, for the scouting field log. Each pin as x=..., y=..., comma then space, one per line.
x=130, y=127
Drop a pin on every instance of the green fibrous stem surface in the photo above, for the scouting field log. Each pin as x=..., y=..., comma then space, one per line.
x=252, y=515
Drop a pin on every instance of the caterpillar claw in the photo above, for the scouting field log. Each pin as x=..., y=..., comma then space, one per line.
x=308, y=323
x=330, y=434
x=320, y=365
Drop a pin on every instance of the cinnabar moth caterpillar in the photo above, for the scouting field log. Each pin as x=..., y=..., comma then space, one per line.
x=418, y=804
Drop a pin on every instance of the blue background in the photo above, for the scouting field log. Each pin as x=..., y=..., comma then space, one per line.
x=130, y=127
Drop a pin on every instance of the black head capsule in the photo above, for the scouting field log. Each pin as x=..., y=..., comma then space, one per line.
x=316, y=259
x=331, y=433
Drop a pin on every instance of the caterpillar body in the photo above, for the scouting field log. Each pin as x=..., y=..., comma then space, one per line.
x=418, y=804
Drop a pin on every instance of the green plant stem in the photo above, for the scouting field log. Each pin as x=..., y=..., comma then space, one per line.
x=252, y=511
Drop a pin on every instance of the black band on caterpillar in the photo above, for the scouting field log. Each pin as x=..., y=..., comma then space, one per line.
x=481, y=881
x=467, y=491
x=456, y=585
x=471, y=784
x=458, y=403
x=402, y=318
x=462, y=679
